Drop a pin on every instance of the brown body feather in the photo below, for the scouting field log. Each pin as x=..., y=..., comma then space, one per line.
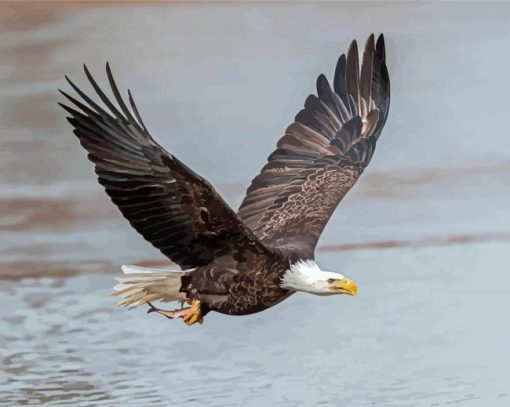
x=239, y=259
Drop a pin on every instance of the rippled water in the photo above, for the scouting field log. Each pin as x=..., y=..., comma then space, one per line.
x=425, y=233
x=428, y=328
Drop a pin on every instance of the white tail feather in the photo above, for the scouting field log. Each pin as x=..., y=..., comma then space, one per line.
x=140, y=285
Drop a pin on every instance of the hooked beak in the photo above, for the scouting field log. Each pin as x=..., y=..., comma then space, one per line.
x=345, y=286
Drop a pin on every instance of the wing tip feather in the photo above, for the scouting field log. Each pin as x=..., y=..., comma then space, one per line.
x=381, y=47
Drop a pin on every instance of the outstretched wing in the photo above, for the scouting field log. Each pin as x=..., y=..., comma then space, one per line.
x=170, y=205
x=321, y=155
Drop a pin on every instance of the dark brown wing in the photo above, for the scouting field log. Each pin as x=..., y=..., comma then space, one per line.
x=170, y=205
x=321, y=155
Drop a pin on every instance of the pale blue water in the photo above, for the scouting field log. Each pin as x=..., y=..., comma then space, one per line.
x=218, y=85
x=428, y=328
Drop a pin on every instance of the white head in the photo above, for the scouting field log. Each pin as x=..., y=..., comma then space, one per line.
x=306, y=276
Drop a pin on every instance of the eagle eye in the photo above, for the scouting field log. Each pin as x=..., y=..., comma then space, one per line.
x=331, y=280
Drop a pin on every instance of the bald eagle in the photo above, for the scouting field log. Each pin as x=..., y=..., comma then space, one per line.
x=245, y=262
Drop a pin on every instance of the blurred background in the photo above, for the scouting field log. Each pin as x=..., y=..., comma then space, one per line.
x=425, y=233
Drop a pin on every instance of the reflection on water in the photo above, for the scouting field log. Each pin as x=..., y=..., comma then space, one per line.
x=217, y=86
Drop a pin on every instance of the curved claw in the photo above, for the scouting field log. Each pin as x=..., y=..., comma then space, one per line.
x=194, y=314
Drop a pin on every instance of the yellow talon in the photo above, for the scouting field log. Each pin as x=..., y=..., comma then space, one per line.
x=194, y=314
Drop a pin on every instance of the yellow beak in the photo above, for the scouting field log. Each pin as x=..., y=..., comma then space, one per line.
x=345, y=286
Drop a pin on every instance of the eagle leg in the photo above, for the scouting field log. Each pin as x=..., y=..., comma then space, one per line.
x=178, y=313
x=194, y=314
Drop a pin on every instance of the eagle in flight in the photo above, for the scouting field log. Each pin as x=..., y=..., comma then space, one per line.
x=245, y=262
